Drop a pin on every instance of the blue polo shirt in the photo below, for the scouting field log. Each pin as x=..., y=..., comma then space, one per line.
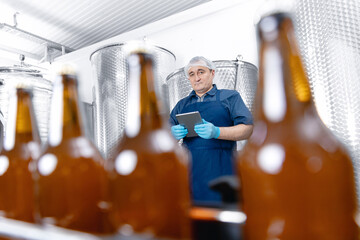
x=230, y=99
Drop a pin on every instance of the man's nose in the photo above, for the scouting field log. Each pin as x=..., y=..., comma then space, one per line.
x=197, y=77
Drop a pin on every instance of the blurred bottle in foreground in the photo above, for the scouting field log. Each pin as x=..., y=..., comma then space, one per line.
x=149, y=176
x=297, y=179
x=70, y=175
x=21, y=148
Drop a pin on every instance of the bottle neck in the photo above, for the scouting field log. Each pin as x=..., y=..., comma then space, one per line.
x=143, y=114
x=65, y=117
x=283, y=91
x=21, y=124
x=71, y=116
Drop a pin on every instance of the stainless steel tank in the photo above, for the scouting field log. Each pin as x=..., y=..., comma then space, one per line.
x=329, y=39
x=110, y=92
x=230, y=74
x=10, y=77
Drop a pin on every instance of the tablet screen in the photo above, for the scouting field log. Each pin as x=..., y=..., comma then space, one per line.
x=189, y=120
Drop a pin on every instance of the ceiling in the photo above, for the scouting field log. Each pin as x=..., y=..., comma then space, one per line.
x=75, y=24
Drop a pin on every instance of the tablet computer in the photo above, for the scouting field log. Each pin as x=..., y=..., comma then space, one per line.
x=189, y=120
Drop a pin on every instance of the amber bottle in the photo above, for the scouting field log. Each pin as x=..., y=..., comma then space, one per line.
x=297, y=179
x=70, y=175
x=21, y=148
x=149, y=176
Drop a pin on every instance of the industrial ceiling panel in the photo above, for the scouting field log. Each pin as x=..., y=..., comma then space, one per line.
x=80, y=23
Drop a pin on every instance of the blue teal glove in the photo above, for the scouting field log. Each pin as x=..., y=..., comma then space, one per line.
x=178, y=131
x=207, y=130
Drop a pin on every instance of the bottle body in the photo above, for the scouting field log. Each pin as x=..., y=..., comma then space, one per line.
x=154, y=196
x=71, y=189
x=21, y=148
x=148, y=178
x=70, y=175
x=297, y=179
x=293, y=188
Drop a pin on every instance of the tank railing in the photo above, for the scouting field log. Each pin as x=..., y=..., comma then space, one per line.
x=15, y=229
x=23, y=230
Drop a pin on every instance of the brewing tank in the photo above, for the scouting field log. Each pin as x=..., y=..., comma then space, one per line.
x=11, y=77
x=110, y=92
x=328, y=33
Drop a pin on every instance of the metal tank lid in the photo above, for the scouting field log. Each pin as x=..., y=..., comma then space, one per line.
x=19, y=73
x=218, y=63
x=19, y=69
x=176, y=72
x=122, y=44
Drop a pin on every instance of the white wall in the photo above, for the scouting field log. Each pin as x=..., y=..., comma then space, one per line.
x=218, y=30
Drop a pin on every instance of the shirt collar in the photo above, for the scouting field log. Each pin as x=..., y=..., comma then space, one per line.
x=212, y=92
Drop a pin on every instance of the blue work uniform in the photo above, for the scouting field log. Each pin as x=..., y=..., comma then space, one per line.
x=212, y=158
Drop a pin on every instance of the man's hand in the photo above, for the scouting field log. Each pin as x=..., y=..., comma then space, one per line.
x=178, y=131
x=207, y=130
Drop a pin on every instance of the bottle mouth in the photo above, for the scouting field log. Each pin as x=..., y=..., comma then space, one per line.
x=268, y=27
x=67, y=69
x=273, y=7
x=138, y=47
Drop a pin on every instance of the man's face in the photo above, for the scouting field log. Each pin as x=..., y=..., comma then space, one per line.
x=201, y=79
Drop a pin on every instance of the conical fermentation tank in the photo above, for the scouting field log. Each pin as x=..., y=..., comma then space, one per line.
x=110, y=92
x=11, y=77
x=328, y=33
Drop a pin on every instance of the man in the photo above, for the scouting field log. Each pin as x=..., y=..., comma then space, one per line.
x=226, y=120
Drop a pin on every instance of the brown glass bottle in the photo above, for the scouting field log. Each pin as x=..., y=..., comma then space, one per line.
x=70, y=175
x=297, y=179
x=21, y=148
x=149, y=176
